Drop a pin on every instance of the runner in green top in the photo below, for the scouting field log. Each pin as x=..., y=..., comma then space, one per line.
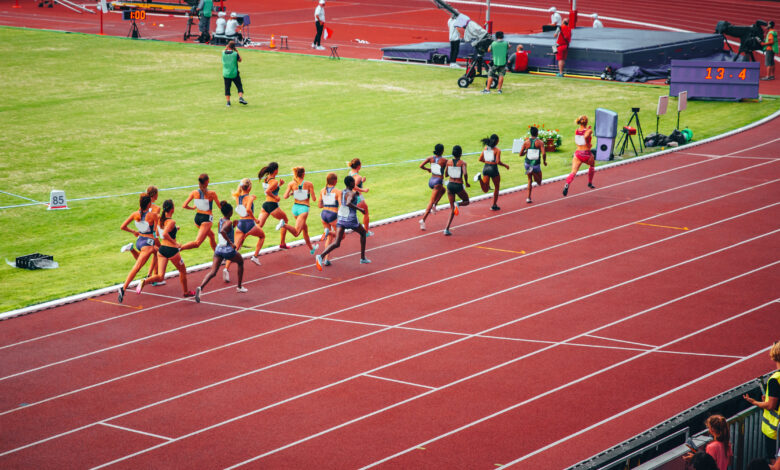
x=533, y=149
x=230, y=60
x=770, y=50
x=499, y=49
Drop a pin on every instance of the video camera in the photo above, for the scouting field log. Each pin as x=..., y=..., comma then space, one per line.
x=750, y=37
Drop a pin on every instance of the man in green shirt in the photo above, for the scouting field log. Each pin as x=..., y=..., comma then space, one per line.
x=230, y=60
x=770, y=50
x=499, y=49
x=205, y=8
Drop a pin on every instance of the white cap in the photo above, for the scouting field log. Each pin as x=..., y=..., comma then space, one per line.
x=552, y=10
x=221, y=14
x=322, y=2
x=233, y=15
x=595, y=16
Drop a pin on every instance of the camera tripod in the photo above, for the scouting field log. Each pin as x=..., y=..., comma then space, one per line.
x=134, y=33
x=626, y=137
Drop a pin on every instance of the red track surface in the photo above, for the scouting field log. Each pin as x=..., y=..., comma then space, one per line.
x=444, y=352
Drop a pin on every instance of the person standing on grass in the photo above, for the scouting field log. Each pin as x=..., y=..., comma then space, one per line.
x=532, y=149
x=454, y=40
x=436, y=181
x=562, y=41
x=145, y=222
x=491, y=157
x=225, y=250
x=456, y=171
x=583, y=154
x=347, y=220
x=770, y=404
x=319, y=23
x=205, y=9
x=230, y=60
x=499, y=49
x=169, y=251
x=770, y=50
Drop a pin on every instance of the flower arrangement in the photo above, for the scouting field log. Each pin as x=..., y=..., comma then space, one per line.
x=551, y=137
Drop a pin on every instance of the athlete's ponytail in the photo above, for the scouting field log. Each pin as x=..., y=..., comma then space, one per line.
x=144, y=201
x=438, y=150
x=166, y=207
x=267, y=170
x=491, y=141
x=298, y=172
x=582, y=120
x=457, y=152
x=243, y=187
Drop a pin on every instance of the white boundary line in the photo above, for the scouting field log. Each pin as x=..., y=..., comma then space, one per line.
x=136, y=431
x=398, y=381
x=552, y=345
x=622, y=341
x=106, y=290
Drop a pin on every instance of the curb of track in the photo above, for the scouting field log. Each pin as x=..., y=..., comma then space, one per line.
x=409, y=215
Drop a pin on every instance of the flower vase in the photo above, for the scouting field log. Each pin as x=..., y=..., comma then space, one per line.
x=549, y=145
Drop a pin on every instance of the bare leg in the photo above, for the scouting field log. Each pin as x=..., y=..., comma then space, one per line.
x=215, y=265
x=496, y=186
x=143, y=257
x=204, y=231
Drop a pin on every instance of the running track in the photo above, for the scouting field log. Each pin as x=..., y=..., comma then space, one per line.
x=534, y=337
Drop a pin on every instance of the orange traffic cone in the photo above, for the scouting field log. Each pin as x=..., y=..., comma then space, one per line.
x=272, y=44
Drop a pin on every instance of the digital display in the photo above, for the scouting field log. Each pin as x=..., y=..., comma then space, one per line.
x=709, y=79
x=133, y=15
x=720, y=73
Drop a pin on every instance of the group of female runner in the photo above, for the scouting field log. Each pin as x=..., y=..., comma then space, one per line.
x=155, y=230
x=533, y=152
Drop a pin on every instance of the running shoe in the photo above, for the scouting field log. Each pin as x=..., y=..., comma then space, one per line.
x=314, y=248
x=566, y=189
x=255, y=260
x=121, y=295
x=318, y=262
x=280, y=225
x=326, y=262
x=228, y=104
x=365, y=261
x=127, y=247
x=242, y=100
x=241, y=290
x=456, y=211
x=189, y=294
x=500, y=92
x=477, y=177
x=528, y=200
x=422, y=224
x=320, y=48
x=161, y=283
x=140, y=286
x=447, y=232
x=369, y=233
x=197, y=294
x=325, y=234
x=284, y=247
x=485, y=91
x=225, y=275
x=590, y=185
x=495, y=208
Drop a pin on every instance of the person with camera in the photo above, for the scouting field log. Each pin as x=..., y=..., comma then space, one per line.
x=230, y=60
x=770, y=403
x=770, y=50
x=499, y=49
x=205, y=8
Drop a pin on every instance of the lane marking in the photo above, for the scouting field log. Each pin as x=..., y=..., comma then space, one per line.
x=140, y=307
x=499, y=249
x=136, y=431
x=399, y=381
x=622, y=341
x=307, y=275
x=662, y=226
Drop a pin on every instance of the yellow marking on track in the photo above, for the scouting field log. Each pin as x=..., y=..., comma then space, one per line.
x=662, y=226
x=421, y=448
x=307, y=275
x=499, y=249
x=116, y=303
x=498, y=464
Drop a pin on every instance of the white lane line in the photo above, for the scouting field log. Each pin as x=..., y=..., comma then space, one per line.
x=417, y=260
x=730, y=156
x=621, y=341
x=136, y=431
x=460, y=340
x=565, y=386
x=399, y=381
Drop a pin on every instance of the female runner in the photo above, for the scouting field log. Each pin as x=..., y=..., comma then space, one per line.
x=436, y=182
x=532, y=149
x=347, y=219
x=226, y=250
x=151, y=191
x=169, y=250
x=359, y=189
x=329, y=203
x=204, y=201
x=583, y=154
x=301, y=191
x=271, y=205
x=145, y=222
x=246, y=225
x=456, y=171
x=491, y=157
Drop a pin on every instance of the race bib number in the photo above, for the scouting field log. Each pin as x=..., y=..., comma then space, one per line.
x=142, y=226
x=436, y=169
x=241, y=211
x=580, y=140
x=454, y=171
x=203, y=204
x=533, y=154
x=329, y=199
x=343, y=212
x=301, y=194
x=489, y=156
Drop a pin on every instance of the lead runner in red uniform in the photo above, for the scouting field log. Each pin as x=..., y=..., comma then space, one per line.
x=583, y=154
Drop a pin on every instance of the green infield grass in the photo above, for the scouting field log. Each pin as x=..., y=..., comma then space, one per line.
x=104, y=116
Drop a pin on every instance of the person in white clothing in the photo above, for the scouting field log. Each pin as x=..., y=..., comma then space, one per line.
x=555, y=17
x=596, y=22
x=319, y=23
x=220, y=24
x=454, y=40
x=232, y=26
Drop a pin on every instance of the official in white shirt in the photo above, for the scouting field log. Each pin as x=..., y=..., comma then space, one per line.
x=454, y=41
x=555, y=17
x=596, y=22
x=319, y=22
x=220, y=24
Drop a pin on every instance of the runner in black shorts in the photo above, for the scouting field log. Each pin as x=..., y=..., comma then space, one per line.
x=225, y=250
x=491, y=157
x=456, y=171
x=533, y=149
